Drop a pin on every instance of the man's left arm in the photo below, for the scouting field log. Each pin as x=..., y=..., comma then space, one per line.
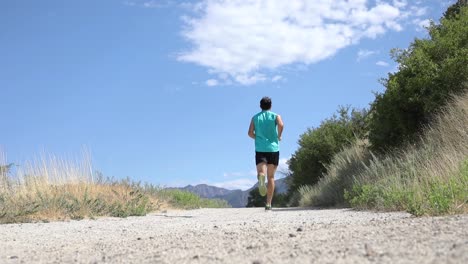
x=279, y=122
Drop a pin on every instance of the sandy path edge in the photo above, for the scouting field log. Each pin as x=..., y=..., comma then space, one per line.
x=245, y=235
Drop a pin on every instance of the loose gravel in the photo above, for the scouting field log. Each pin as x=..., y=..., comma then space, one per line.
x=244, y=235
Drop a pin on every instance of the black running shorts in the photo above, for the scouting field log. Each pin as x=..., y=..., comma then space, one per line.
x=267, y=157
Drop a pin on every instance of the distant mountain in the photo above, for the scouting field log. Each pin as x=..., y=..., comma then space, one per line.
x=236, y=198
x=206, y=191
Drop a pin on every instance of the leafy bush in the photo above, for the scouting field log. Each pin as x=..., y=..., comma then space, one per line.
x=430, y=71
x=188, y=200
x=429, y=178
x=317, y=146
x=256, y=200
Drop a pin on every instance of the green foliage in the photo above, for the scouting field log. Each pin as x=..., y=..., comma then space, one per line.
x=317, y=146
x=256, y=200
x=17, y=211
x=184, y=198
x=429, y=178
x=189, y=200
x=454, y=9
x=436, y=197
x=368, y=195
x=430, y=71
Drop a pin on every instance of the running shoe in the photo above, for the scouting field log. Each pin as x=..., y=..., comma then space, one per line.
x=262, y=189
x=267, y=207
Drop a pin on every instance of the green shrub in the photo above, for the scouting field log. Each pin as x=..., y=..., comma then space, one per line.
x=189, y=200
x=317, y=146
x=430, y=178
x=256, y=200
x=430, y=71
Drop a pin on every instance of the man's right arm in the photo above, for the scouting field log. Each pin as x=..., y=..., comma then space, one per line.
x=280, y=123
x=252, y=129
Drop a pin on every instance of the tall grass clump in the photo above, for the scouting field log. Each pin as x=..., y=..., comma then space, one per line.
x=51, y=188
x=428, y=178
x=329, y=191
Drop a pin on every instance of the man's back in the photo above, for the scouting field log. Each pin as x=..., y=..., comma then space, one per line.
x=266, y=133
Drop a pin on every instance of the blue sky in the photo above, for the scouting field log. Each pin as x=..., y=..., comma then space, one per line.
x=163, y=91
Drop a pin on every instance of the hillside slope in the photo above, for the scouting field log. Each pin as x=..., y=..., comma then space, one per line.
x=236, y=198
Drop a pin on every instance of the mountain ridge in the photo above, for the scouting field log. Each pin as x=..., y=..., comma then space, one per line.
x=236, y=198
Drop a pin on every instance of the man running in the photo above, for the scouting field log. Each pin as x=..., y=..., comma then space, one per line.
x=266, y=128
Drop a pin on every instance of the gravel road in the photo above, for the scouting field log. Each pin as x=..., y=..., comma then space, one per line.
x=246, y=235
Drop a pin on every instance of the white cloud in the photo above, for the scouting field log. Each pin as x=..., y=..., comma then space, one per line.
x=362, y=54
x=421, y=24
x=400, y=3
x=248, y=40
x=276, y=78
x=129, y=3
x=382, y=63
x=152, y=4
x=212, y=82
x=248, y=79
x=243, y=184
x=283, y=168
x=419, y=11
x=240, y=174
x=149, y=3
x=232, y=174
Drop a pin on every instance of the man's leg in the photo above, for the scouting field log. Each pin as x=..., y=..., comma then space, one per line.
x=261, y=168
x=271, y=182
x=261, y=173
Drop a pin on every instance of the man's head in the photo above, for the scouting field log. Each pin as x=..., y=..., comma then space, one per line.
x=265, y=103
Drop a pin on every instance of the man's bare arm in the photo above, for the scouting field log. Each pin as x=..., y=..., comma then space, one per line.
x=252, y=129
x=279, y=121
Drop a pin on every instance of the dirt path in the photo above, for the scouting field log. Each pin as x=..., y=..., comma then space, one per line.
x=247, y=235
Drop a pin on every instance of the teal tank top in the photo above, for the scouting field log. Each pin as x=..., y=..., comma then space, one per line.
x=266, y=132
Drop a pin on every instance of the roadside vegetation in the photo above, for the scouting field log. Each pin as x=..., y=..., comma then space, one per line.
x=428, y=178
x=256, y=200
x=188, y=200
x=409, y=151
x=53, y=189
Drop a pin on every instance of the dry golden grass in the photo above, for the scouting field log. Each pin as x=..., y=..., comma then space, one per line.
x=50, y=188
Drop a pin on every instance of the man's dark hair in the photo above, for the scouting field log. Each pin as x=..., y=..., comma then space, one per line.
x=265, y=103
